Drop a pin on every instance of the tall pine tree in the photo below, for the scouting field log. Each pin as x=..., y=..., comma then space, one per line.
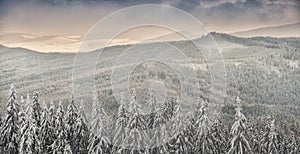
x=30, y=141
x=119, y=133
x=239, y=143
x=46, y=132
x=9, y=132
x=81, y=133
x=137, y=139
x=179, y=144
x=151, y=109
x=269, y=140
x=60, y=141
x=36, y=109
x=98, y=141
x=71, y=119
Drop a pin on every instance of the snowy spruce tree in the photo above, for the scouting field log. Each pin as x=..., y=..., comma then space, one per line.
x=202, y=122
x=179, y=123
x=137, y=139
x=46, y=132
x=256, y=132
x=1, y=122
x=28, y=102
x=119, y=133
x=159, y=139
x=22, y=111
x=60, y=141
x=239, y=143
x=22, y=119
x=218, y=136
x=190, y=132
x=60, y=144
x=168, y=108
x=151, y=109
x=70, y=122
x=98, y=140
x=9, y=131
x=50, y=133
x=31, y=136
x=68, y=150
x=30, y=141
x=205, y=142
x=36, y=109
x=269, y=140
x=81, y=132
x=23, y=131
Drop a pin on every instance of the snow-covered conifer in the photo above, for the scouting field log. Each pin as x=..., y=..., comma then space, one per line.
x=30, y=133
x=59, y=120
x=22, y=112
x=179, y=125
x=60, y=141
x=160, y=134
x=239, y=143
x=218, y=136
x=137, y=138
x=52, y=117
x=190, y=132
x=151, y=109
x=81, y=132
x=204, y=140
x=1, y=122
x=98, y=141
x=9, y=132
x=30, y=142
x=28, y=102
x=168, y=108
x=202, y=121
x=46, y=132
x=36, y=109
x=68, y=149
x=269, y=140
x=119, y=133
x=70, y=122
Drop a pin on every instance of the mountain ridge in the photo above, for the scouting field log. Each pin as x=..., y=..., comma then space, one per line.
x=215, y=35
x=262, y=62
x=287, y=30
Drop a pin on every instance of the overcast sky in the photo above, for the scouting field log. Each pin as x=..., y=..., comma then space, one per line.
x=76, y=17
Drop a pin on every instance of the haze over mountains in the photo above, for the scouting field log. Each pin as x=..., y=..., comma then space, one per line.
x=45, y=43
x=288, y=30
x=71, y=43
x=263, y=71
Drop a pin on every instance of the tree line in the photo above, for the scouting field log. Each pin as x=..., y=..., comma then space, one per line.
x=30, y=127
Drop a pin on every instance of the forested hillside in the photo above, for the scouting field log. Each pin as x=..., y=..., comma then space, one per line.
x=30, y=126
x=263, y=71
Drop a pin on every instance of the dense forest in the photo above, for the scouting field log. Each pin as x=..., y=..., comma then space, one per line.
x=30, y=126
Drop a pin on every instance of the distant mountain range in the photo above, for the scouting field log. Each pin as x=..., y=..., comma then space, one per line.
x=46, y=43
x=263, y=71
x=71, y=43
x=288, y=30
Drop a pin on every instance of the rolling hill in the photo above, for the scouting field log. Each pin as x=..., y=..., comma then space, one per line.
x=263, y=71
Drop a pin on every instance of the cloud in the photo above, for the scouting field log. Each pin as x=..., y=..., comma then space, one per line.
x=219, y=15
x=187, y=5
x=248, y=14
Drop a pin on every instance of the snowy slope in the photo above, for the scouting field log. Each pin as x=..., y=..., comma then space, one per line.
x=263, y=70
